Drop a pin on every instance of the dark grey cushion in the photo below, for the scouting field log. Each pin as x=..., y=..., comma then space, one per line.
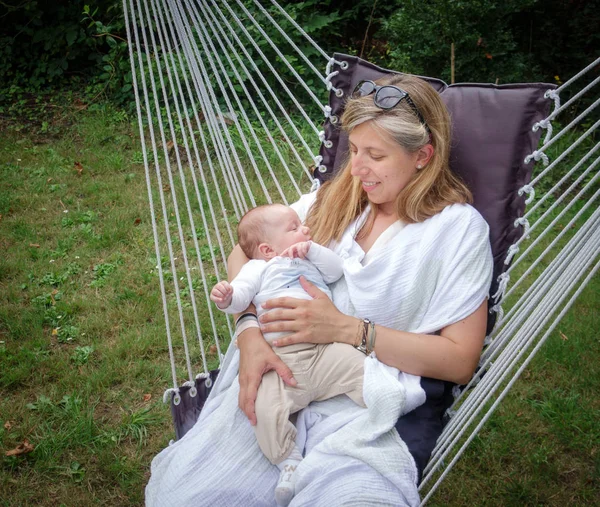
x=491, y=136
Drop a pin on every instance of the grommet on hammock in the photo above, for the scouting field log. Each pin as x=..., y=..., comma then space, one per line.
x=332, y=61
x=327, y=143
x=191, y=397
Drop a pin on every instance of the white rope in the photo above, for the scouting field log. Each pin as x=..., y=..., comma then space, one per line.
x=529, y=190
x=587, y=186
x=207, y=93
x=577, y=76
x=242, y=110
x=253, y=104
x=540, y=155
x=562, y=180
x=529, y=228
x=523, y=222
x=214, y=23
x=544, y=124
x=212, y=122
x=172, y=189
x=566, y=259
x=183, y=131
x=537, y=155
x=158, y=172
x=552, y=94
x=512, y=251
x=157, y=251
x=569, y=264
x=205, y=38
x=537, y=319
x=503, y=281
x=498, y=370
x=564, y=154
x=198, y=158
x=261, y=77
x=542, y=285
x=268, y=63
x=290, y=41
x=509, y=386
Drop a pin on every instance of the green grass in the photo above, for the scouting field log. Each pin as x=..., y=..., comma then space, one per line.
x=84, y=359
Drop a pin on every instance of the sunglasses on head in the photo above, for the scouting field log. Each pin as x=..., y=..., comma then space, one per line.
x=387, y=97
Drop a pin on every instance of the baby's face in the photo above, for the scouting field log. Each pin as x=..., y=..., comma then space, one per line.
x=288, y=231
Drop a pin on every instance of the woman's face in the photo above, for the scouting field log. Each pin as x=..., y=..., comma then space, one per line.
x=383, y=167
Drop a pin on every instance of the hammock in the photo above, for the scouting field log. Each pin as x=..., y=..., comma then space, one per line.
x=229, y=120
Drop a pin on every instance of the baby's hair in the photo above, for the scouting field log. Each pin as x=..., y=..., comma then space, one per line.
x=253, y=229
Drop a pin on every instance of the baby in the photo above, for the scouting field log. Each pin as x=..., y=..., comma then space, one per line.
x=280, y=250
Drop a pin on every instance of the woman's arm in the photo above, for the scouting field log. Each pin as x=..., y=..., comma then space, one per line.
x=453, y=355
x=256, y=355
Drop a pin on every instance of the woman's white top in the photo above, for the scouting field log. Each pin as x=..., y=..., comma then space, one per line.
x=416, y=277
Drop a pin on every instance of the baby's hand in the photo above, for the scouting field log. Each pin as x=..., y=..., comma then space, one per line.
x=299, y=250
x=222, y=294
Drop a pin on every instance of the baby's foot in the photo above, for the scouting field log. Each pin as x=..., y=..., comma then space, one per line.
x=285, y=490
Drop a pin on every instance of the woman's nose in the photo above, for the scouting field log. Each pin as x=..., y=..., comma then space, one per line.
x=357, y=166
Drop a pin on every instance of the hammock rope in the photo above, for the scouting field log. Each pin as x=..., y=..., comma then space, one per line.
x=222, y=130
x=214, y=22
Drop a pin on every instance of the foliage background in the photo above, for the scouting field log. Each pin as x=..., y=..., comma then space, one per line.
x=81, y=44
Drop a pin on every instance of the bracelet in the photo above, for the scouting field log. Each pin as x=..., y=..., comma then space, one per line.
x=243, y=315
x=245, y=324
x=362, y=347
x=372, y=337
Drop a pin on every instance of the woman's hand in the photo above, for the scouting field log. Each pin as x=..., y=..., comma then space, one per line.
x=256, y=359
x=308, y=321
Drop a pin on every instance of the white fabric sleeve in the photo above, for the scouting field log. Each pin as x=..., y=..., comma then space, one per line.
x=466, y=273
x=245, y=286
x=326, y=261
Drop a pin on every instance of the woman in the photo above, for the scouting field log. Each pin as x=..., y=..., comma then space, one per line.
x=417, y=264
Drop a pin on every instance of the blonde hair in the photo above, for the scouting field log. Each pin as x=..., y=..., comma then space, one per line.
x=431, y=189
x=254, y=228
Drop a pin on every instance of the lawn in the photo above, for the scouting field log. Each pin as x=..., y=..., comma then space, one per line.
x=84, y=359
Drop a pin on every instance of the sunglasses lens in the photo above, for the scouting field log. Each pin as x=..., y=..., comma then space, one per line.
x=388, y=97
x=363, y=89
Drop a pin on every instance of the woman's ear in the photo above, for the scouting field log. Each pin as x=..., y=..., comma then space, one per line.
x=424, y=156
x=266, y=252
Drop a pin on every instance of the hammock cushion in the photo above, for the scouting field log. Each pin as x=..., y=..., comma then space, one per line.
x=491, y=136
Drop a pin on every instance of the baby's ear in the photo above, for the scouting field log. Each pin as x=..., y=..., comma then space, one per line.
x=266, y=252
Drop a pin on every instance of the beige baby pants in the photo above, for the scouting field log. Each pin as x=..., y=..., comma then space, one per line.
x=322, y=372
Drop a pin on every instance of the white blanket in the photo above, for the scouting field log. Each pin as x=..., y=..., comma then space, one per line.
x=419, y=278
